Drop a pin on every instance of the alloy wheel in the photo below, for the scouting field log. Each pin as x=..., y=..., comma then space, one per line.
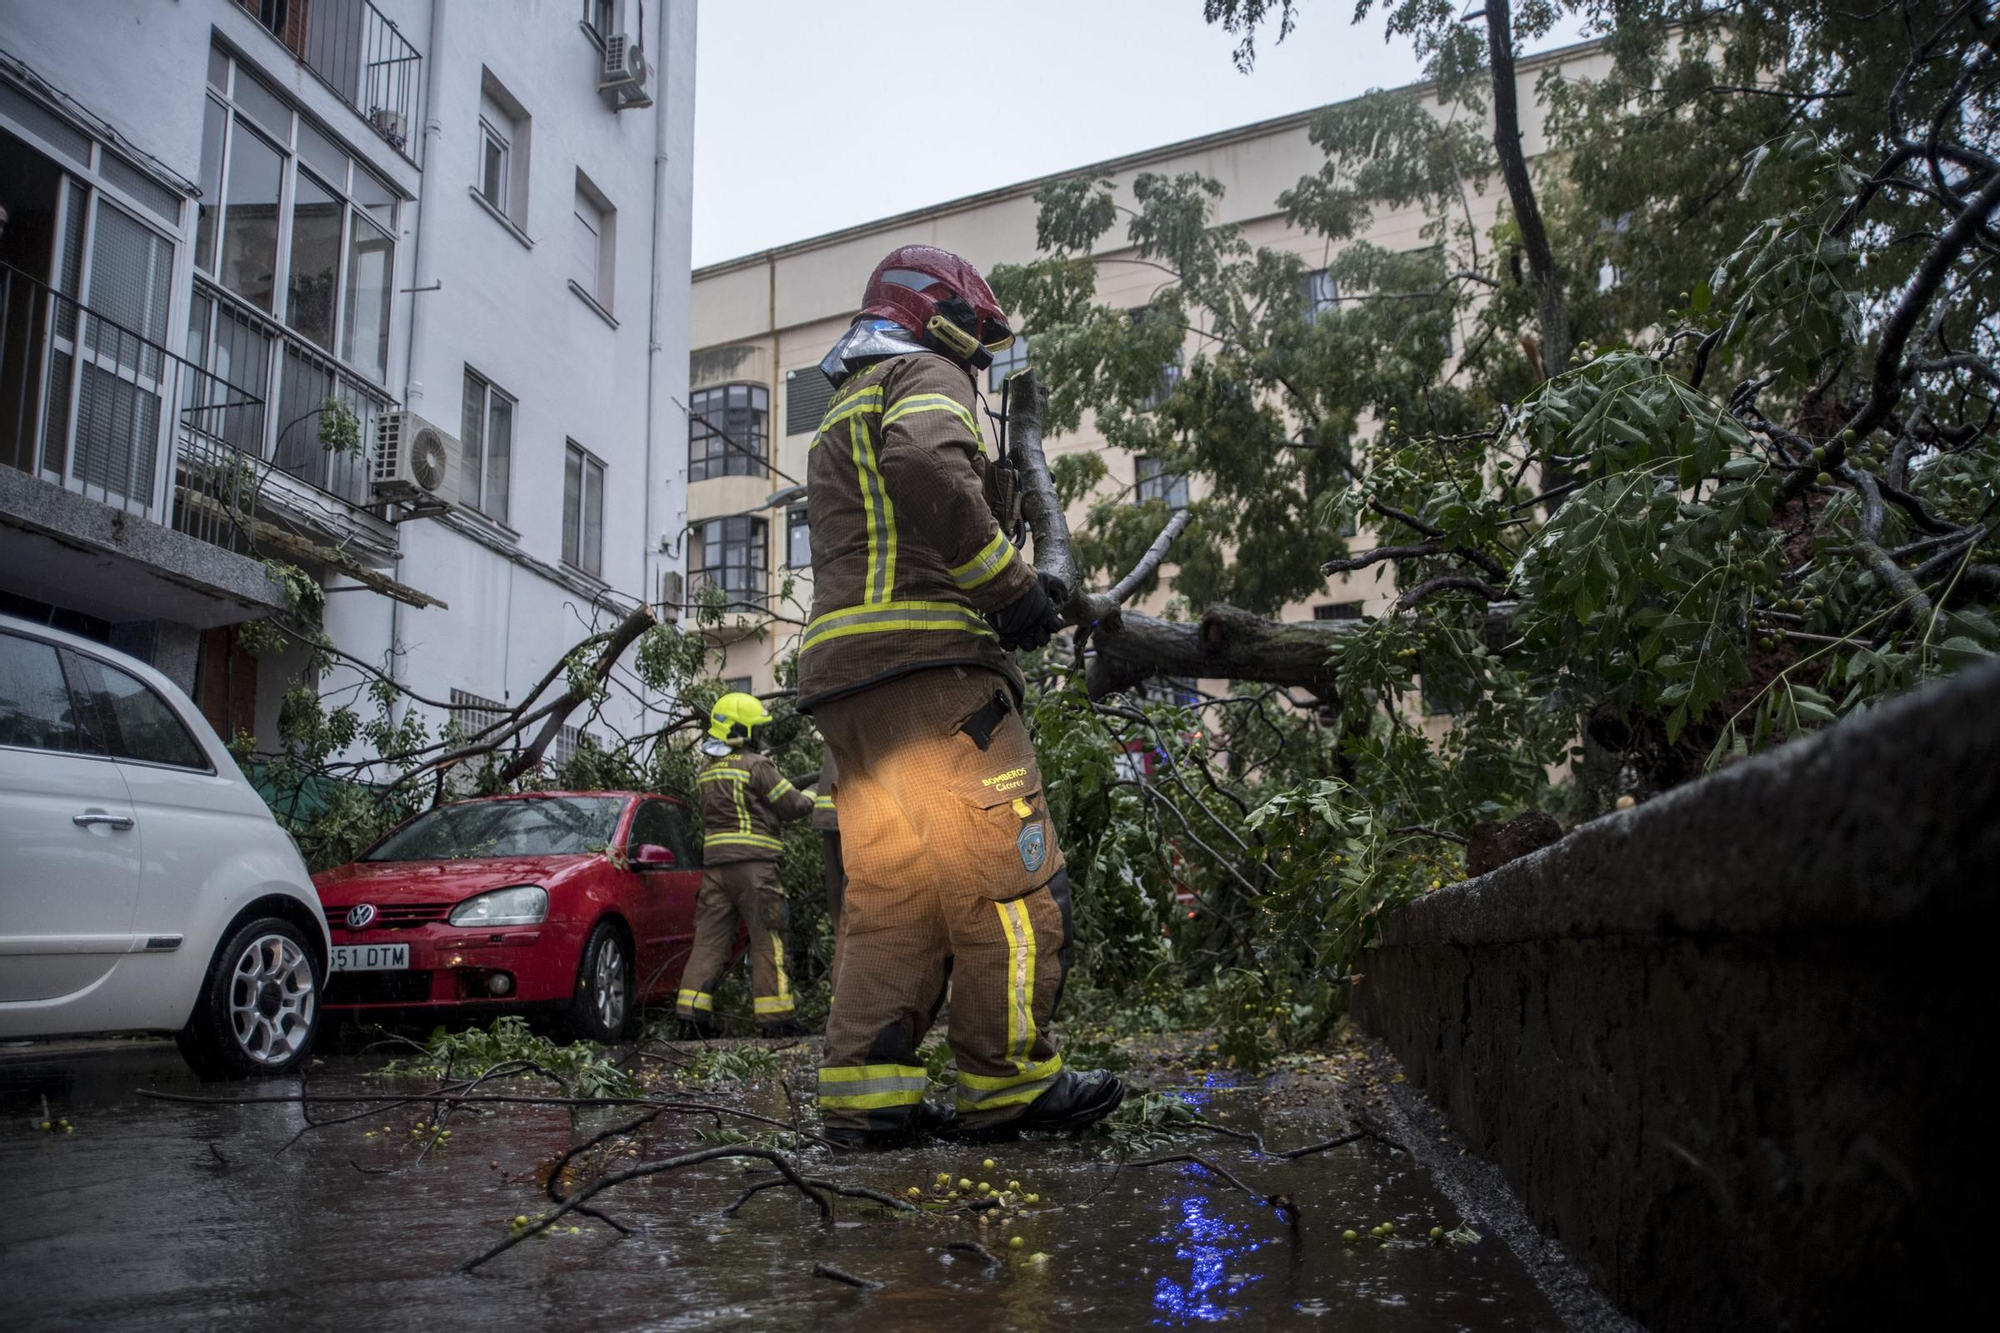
x=608, y=984
x=271, y=999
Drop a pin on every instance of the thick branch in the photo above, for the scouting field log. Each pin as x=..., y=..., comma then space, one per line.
x=564, y=704
x=1553, y=313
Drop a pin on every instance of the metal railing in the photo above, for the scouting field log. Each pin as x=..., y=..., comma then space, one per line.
x=742, y=587
x=104, y=411
x=360, y=54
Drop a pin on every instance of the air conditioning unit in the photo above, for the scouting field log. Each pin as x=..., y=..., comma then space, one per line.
x=415, y=462
x=621, y=81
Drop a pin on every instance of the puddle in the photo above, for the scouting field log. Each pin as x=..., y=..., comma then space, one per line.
x=159, y=1215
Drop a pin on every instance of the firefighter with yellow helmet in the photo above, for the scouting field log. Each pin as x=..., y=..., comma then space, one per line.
x=744, y=799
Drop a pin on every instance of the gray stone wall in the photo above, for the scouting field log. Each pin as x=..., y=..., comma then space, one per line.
x=1729, y=1047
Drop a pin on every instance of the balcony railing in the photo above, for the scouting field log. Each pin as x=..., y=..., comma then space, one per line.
x=740, y=588
x=89, y=404
x=361, y=55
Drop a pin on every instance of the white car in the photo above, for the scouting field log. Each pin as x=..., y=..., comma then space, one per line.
x=143, y=882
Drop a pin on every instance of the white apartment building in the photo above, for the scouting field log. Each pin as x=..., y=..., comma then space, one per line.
x=253, y=248
x=763, y=321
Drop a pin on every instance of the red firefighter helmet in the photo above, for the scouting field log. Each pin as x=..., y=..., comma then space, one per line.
x=938, y=296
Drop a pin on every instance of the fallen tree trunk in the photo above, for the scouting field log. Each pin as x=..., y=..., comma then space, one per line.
x=1226, y=642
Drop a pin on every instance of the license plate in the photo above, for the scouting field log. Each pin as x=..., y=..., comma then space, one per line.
x=371, y=957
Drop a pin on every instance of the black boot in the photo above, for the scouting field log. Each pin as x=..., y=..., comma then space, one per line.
x=1074, y=1102
x=791, y=1027
x=693, y=1029
x=924, y=1121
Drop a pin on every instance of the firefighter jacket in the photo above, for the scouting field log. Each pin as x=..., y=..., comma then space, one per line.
x=909, y=553
x=744, y=798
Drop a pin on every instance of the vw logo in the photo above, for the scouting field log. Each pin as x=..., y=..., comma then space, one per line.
x=359, y=915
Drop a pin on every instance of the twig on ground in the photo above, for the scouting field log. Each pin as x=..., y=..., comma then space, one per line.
x=975, y=1249
x=829, y=1271
x=1342, y=1142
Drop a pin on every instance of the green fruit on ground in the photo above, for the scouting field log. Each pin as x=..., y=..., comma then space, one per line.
x=1349, y=1235
x=1824, y=478
x=1015, y=1243
x=1437, y=1233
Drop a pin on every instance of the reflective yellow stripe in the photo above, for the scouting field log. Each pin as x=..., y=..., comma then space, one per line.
x=744, y=840
x=696, y=999
x=998, y=1082
x=849, y=405
x=870, y=1087
x=779, y=792
x=822, y=803
x=934, y=402
x=993, y=557
x=772, y=1004
x=886, y=616
x=784, y=995
x=881, y=514
x=1020, y=981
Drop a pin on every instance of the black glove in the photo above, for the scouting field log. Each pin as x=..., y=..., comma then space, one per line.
x=1029, y=620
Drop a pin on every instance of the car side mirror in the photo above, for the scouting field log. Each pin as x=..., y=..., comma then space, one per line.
x=652, y=856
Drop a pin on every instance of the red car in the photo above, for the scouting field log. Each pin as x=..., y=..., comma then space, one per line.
x=581, y=903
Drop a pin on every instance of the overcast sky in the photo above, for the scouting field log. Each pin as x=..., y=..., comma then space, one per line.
x=812, y=116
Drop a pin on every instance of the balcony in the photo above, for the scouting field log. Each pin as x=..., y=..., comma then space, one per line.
x=92, y=406
x=351, y=48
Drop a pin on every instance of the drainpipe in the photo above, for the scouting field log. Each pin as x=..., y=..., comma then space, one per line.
x=656, y=396
x=420, y=279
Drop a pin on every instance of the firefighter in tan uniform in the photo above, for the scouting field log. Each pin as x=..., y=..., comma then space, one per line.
x=907, y=668
x=743, y=800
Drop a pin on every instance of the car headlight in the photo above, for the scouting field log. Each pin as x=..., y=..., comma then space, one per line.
x=522, y=905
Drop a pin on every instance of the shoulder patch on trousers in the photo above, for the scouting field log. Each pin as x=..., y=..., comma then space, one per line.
x=1033, y=845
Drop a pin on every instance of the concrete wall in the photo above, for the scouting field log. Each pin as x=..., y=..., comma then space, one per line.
x=1727, y=1047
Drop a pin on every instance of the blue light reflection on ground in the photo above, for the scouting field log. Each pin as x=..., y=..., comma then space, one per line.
x=1209, y=1244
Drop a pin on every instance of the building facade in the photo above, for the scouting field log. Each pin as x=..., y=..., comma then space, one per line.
x=763, y=321
x=394, y=292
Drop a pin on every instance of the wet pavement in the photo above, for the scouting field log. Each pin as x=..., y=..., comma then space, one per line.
x=165, y=1216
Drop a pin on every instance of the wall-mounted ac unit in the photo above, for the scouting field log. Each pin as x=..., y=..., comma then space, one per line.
x=621, y=80
x=415, y=462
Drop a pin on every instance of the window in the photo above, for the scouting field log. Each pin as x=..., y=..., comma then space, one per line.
x=501, y=176
x=1181, y=691
x=123, y=718
x=731, y=554
x=35, y=708
x=1006, y=361
x=569, y=740
x=599, y=16
x=1318, y=293
x=486, y=427
x=593, y=232
x=659, y=824
x=1337, y=611
x=728, y=431
x=736, y=684
x=274, y=184
x=583, y=510
x=1143, y=325
x=807, y=392
x=798, y=539
x=494, y=145
x=1157, y=485
x=475, y=714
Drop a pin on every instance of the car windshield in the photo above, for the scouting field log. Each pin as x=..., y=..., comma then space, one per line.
x=539, y=826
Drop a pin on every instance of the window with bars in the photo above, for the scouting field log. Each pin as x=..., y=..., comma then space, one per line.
x=1006, y=361
x=731, y=556
x=729, y=431
x=472, y=714
x=486, y=429
x=583, y=509
x=1156, y=484
x=1337, y=611
x=807, y=392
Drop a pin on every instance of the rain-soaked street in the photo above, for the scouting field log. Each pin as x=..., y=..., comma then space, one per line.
x=161, y=1215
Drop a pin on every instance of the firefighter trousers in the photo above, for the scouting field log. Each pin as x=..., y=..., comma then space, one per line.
x=952, y=869
x=747, y=891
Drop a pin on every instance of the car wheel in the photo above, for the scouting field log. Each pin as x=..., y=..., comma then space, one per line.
x=602, y=1009
x=259, y=1009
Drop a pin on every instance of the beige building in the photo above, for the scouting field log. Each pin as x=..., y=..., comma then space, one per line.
x=762, y=322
